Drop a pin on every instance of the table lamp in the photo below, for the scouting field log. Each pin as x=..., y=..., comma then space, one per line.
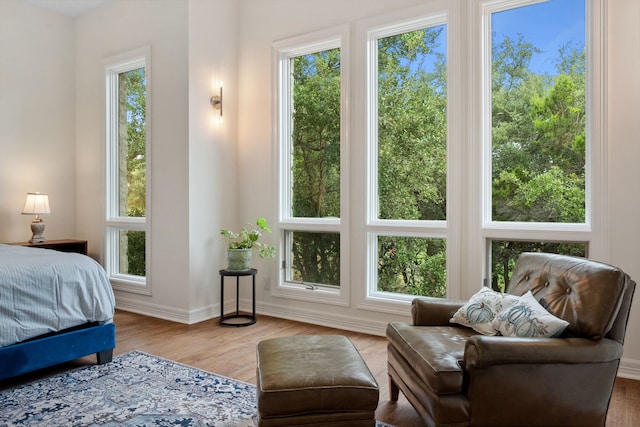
x=37, y=204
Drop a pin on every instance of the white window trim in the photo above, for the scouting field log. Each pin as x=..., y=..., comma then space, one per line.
x=282, y=52
x=114, y=223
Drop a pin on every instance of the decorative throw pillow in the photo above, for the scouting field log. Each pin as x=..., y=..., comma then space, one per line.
x=482, y=308
x=527, y=318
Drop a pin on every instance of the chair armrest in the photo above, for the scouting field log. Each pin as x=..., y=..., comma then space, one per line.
x=433, y=311
x=484, y=351
x=546, y=381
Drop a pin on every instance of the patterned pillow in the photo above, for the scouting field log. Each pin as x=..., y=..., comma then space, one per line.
x=527, y=318
x=482, y=308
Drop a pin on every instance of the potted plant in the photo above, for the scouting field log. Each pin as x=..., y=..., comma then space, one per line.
x=239, y=245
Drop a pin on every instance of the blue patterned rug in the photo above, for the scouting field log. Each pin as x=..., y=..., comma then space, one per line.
x=136, y=389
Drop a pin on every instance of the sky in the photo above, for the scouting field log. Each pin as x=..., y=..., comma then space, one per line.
x=548, y=26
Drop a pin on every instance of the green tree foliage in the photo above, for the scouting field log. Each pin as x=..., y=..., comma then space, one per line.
x=414, y=266
x=538, y=137
x=411, y=128
x=136, y=253
x=316, y=135
x=132, y=87
x=316, y=258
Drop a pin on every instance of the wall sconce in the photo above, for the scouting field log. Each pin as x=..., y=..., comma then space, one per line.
x=37, y=204
x=216, y=101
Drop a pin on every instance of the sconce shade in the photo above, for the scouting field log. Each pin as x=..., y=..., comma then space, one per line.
x=36, y=204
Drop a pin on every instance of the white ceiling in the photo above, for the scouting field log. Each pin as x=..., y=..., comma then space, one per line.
x=70, y=7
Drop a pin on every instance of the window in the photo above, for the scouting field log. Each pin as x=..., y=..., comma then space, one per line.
x=408, y=154
x=475, y=134
x=311, y=138
x=126, y=234
x=536, y=153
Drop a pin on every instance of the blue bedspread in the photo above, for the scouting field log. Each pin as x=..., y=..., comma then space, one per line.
x=43, y=290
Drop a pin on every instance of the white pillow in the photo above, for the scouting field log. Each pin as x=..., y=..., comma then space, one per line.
x=482, y=308
x=527, y=318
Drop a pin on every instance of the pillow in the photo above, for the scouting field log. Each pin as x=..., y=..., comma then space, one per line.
x=481, y=309
x=527, y=318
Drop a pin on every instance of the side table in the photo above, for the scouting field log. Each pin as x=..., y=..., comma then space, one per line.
x=237, y=274
x=63, y=245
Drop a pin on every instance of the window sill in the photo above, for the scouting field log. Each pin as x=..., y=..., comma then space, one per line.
x=316, y=295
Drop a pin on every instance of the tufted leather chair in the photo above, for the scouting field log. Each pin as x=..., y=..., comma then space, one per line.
x=453, y=376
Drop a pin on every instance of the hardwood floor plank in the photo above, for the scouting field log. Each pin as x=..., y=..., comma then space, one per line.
x=230, y=351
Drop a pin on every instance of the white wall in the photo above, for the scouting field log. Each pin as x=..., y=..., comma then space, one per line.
x=624, y=154
x=213, y=167
x=37, y=117
x=114, y=29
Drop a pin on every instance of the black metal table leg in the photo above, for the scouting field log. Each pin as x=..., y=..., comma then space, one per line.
x=252, y=317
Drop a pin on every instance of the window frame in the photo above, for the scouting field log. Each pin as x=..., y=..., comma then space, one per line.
x=282, y=53
x=114, y=222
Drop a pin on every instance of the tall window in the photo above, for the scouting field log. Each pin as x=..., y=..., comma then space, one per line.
x=310, y=115
x=538, y=116
x=408, y=153
x=127, y=84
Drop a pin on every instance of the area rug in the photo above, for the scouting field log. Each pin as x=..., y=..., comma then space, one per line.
x=135, y=389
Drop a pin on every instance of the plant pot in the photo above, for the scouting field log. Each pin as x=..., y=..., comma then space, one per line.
x=238, y=259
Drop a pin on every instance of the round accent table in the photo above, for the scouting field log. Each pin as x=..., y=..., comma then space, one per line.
x=226, y=320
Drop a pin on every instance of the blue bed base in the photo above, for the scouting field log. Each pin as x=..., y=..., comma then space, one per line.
x=28, y=356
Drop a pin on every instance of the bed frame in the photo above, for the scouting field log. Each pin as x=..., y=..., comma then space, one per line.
x=51, y=350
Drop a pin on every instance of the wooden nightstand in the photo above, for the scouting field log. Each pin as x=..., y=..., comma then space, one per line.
x=64, y=245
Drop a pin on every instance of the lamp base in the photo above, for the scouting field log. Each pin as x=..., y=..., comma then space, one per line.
x=37, y=228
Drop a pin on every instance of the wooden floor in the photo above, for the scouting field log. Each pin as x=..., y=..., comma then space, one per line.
x=231, y=352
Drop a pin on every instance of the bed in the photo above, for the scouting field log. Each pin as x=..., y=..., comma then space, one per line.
x=54, y=307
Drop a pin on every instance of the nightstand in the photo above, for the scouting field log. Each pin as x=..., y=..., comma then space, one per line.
x=64, y=245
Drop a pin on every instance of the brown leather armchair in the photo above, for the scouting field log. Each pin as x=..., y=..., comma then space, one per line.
x=454, y=376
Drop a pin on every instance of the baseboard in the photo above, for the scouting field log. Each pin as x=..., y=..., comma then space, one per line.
x=348, y=323
x=629, y=368
x=173, y=314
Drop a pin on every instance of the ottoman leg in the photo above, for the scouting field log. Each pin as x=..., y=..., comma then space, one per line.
x=394, y=390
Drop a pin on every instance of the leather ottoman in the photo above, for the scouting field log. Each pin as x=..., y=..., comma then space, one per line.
x=318, y=380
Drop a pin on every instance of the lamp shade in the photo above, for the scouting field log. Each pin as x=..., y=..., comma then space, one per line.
x=36, y=204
